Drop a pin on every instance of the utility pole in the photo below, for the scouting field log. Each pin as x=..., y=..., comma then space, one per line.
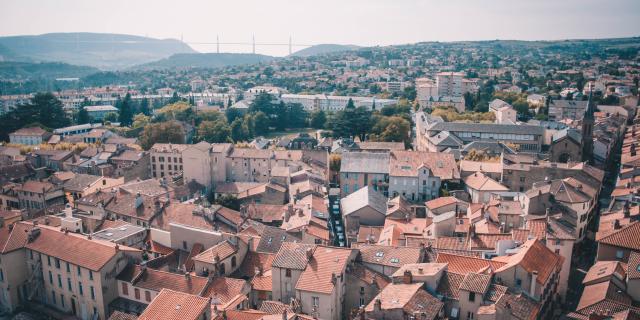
x=254, y=44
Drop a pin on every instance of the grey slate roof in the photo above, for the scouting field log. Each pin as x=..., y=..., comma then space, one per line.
x=367, y=162
x=486, y=127
x=364, y=197
x=293, y=256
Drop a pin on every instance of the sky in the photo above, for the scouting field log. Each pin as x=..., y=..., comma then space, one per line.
x=359, y=22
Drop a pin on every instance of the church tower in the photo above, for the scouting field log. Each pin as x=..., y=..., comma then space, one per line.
x=587, y=130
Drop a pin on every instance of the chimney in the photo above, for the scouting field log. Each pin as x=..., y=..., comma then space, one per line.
x=309, y=253
x=616, y=224
x=534, y=279
x=377, y=305
x=627, y=210
x=68, y=211
x=138, y=201
x=406, y=277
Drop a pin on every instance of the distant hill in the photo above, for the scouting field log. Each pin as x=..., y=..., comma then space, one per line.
x=322, y=49
x=48, y=70
x=101, y=50
x=205, y=60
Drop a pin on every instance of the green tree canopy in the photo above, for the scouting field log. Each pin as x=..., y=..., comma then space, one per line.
x=214, y=131
x=163, y=132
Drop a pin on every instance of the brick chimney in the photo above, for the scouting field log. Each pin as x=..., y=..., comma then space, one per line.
x=407, y=277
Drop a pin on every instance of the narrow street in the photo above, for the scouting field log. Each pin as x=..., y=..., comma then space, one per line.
x=584, y=253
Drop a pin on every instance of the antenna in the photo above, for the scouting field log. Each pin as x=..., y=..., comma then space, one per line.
x=254, y=44
x=217, y=44
x=289, y=45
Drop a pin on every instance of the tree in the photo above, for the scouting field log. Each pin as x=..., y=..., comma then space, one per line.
x=144, y=107
x=110, y=117
x=239, y=130
x=350, y=104
x=181, y=111
x=44, y=109
x=409, y=93
x=391, y=129
x=260, y=123
x=140, y=121
x=163, y=132
x=318, y=119
x=232, y=114
x=214, y=131
x=126, y=111
x=228, y=201
x=83, y=116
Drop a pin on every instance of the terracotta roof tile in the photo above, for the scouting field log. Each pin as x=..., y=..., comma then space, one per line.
x=326, y=263
x=626, y=237
x=156, y=280
x=172, y=305
x=449, y=285
x=465, y=264
x=476, y=282
x=389, y=256
x=223, y=289
x=74, y=248
x=535, y=256
x=221, y=250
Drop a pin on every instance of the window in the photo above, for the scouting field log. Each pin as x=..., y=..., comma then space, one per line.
x=62, y=300
x=90, y=275
x=1, y=275
x=136, y=292
x=93, y=294
x=68, y=267
x=315, y=301
x=59, y=281
x=80, y=288
x=53, y=297
x=125, y=289
x=184, y=245
x=361, y=301
x=361, y=290
x=233, y=262
x=69, y=284
x=79, y=271
x=469, y=315
x=50, y=278
x=147, y=296
x=619, y=254
x=518, y=282
x=287, y=273
x=472, y=296
x=49, y=261
x=57, y=263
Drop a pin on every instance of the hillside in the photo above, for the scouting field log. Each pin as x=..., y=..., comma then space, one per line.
x=205, y=60
x=49, y=70
x=323, y=49
x=100, y=50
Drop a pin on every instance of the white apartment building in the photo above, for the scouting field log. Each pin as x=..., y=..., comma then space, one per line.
x=335, y=103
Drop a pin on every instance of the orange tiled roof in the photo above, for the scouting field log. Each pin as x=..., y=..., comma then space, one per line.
x=465, y=264
x=534, y=256
x=326, y=263
x=172, y=305
x=221, y=250
x=626, y=237
x=74, y=248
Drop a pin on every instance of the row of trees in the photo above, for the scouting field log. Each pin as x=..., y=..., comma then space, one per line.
x=43, y=110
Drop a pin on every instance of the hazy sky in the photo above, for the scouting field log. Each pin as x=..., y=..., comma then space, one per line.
x=361, y=22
